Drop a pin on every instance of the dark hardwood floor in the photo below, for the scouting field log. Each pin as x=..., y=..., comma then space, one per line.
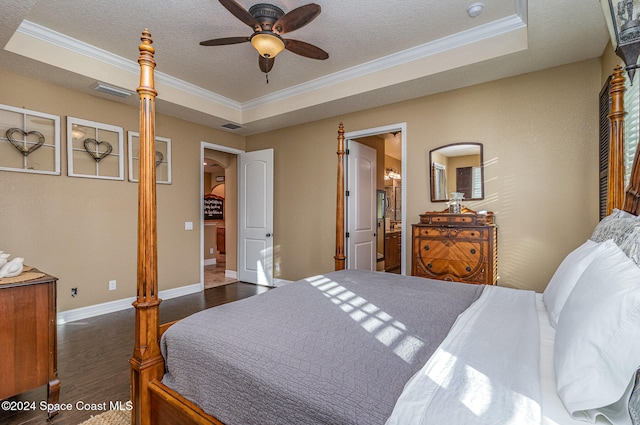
x=93, y=357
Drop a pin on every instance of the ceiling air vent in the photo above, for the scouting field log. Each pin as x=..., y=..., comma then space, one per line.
x=112, y=90
x=231, y=126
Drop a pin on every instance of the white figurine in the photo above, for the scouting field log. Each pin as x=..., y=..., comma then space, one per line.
x=12, y=268
x=4, y=258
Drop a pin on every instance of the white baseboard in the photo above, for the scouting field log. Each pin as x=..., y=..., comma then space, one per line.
x=210, y=262
x=118, y=305
x=231, y=274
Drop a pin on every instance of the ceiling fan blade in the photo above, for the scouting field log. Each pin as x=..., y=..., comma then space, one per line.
x=305, y=49
x=265, y=63
x=224, y=41
x=240, y=12
x=297, y=18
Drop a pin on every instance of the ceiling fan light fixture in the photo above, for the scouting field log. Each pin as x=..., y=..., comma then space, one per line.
x=267, y=44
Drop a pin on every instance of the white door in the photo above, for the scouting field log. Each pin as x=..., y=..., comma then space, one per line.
x=255, y=223
x=361, y=207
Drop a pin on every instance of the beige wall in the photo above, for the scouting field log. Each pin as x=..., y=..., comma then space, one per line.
x=540, y=148
x=609, y=62
x=540, y=139
x=84, y=230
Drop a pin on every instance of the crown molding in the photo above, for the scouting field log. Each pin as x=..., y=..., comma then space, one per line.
x=487, y=31
x=65, y=42
x=503, y=26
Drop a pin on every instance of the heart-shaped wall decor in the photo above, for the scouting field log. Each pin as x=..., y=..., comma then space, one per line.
x=159, y=158
x=93, y=146
x=23, y=147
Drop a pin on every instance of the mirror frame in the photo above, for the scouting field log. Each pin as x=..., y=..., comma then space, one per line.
x=432, y=179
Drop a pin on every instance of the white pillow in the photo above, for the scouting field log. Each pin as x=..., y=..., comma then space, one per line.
x=597, y=348
x=566, y=276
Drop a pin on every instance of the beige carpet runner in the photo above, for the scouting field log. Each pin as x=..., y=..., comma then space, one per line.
x=112, y=417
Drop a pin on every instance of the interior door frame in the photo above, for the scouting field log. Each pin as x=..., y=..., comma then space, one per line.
x=402, y=127
x=211, y=146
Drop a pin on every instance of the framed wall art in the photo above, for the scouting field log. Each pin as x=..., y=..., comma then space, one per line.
x=95, y=150
x=29, y=141
x=163, y=157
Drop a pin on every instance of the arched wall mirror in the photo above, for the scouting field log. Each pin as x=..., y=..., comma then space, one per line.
x=457, y=167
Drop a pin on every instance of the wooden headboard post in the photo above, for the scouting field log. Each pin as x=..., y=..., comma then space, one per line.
x=615, y=176
x=632, y=199
x=147, y=362
x=340, y=257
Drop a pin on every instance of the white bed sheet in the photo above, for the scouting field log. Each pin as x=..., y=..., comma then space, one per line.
x=417, y=406
x=479, y=375
x=553, y=411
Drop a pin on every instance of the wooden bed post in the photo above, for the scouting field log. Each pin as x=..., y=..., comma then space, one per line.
x=147, y=362
x=340, y=257
x=632, y=194
x=615, y=177
x=632, y=198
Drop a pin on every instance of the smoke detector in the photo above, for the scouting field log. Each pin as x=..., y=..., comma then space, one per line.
x=475, y=9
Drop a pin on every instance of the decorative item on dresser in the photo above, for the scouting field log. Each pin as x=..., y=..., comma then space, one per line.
x=456, y=247
x=28, y=339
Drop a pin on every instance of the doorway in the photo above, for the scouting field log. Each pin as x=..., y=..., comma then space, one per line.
x=389, y=192
x=247, y=206
x=220, y=190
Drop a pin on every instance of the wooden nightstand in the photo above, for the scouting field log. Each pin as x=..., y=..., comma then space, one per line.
x=456, y=247
x=28, y=338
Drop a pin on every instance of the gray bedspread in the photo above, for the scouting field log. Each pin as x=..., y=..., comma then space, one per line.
x=332, y=349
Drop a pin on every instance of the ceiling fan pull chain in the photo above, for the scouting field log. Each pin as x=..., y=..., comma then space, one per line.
x=267, y=77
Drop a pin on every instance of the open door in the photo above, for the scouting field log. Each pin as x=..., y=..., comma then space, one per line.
x=362, y=225
x=255, y=221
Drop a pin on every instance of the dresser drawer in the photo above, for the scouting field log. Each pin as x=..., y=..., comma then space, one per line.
x=457, y=271
x=452, y=232
x=449, y=219
x=470, y=251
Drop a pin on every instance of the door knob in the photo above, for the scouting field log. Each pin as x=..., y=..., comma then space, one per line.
x=268, y=235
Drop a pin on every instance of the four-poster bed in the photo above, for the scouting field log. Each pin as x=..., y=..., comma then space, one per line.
x=380, y=330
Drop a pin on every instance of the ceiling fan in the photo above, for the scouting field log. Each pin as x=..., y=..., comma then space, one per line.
x=269, y=22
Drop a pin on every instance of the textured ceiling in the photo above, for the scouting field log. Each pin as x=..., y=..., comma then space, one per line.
x=380, y=51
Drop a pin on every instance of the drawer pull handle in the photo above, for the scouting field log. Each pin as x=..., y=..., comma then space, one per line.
x=468, y=268
x=426, y=248
x=429, y=265
x=473, y=250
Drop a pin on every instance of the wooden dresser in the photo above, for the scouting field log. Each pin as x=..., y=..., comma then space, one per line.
x=28, y=340
x=456, y=247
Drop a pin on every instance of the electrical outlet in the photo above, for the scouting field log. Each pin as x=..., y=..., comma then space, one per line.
x=112, y=285
x=74, y=292
x=188, y=225
x=277, y=267
x=211, y=251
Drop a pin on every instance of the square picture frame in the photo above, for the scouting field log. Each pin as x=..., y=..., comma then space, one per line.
x=163, y=157
x=94, y=150
x=29, y=141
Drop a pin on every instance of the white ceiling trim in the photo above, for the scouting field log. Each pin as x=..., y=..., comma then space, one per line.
x=71, y=44
x=68, y=53
x=484, y=32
